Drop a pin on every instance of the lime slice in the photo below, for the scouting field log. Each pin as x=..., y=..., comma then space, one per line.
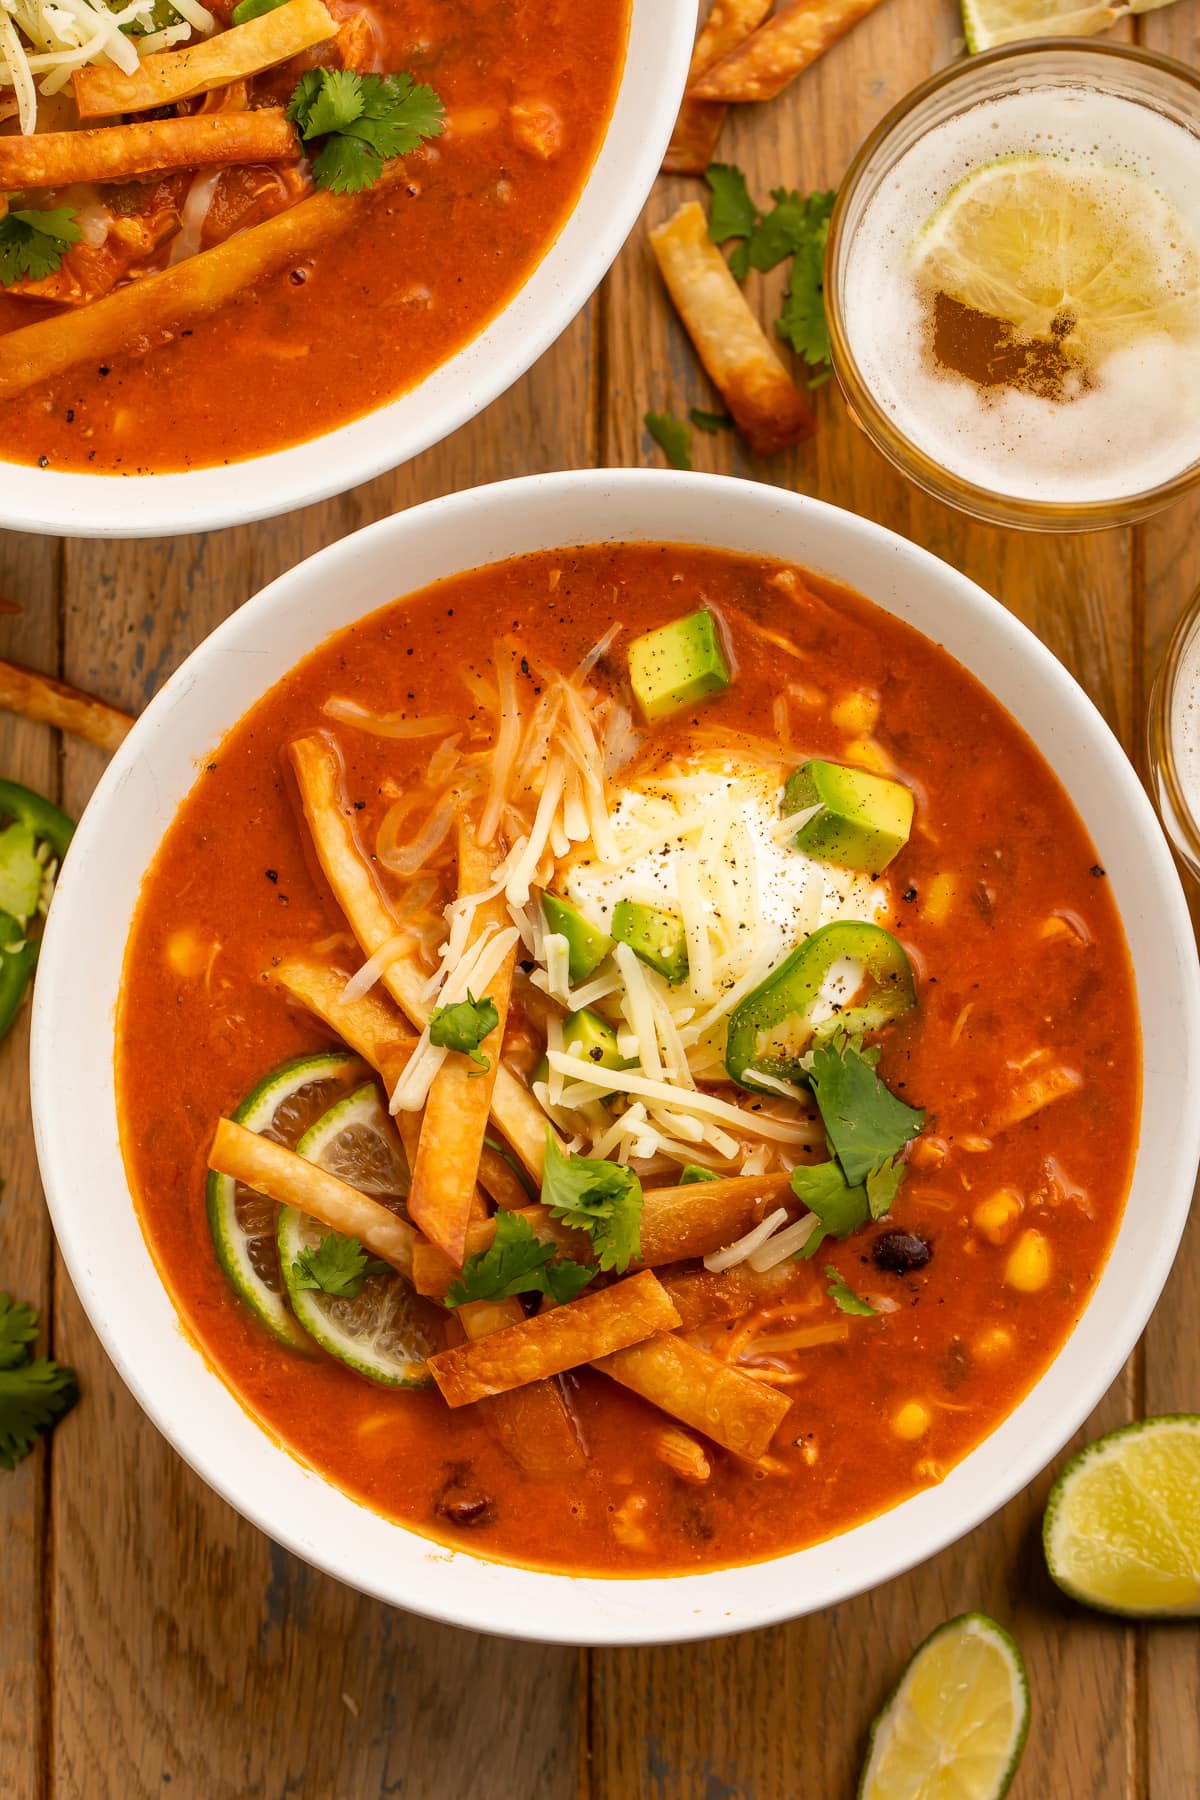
x=243, y=1223
x=1089, y=258
x=386, y=1331
x=987, y=23
x=1122, y=1526
x=955, y=1727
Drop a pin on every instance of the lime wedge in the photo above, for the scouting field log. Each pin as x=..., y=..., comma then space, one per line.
x=955, y=1726
x=987, y=23
x=1090, y=258
x=243, y=1223
x=386, y=1331
x=1122, y=1525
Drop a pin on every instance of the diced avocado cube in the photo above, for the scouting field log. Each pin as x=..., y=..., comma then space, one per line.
x=862, y=820
x=541, y=1071
x=692, y=1172
x=585, y=1034
x=658, y=938
x=587, y=945
x=677, y=665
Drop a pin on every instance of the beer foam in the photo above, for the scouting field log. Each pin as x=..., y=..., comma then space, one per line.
x=1138, y=424
x=1184, y=724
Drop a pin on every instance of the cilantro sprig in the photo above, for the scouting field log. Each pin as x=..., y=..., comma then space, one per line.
x=602, y=1198
x=517, y=1262
x=672, y=437
x=34, y=243
x=337, y=1266
x=866, y=1128
x=463, y=1025
x=365, y=120
x=34, y=1391
x=794, y=227
x=844, y=1296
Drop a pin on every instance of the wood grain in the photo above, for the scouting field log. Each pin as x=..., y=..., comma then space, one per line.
x=151, y=1642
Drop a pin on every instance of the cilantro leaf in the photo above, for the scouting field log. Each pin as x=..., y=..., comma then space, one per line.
x=840, y=1208
x=710, y=421
x=21, y=874
x=463, y=1026
x=883, y=1184
x=794, y=226
x=34, y=243
x=517, y=1262
x=844, y=1296
x=691, y=1172
x=365, y=120
x=337, y=1266
x=34, y=1391
x=672, y=437
x=734, y=214
x=602, y=1198
x=864, y=1121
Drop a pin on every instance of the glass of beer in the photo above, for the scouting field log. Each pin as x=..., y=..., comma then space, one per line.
x=1013, y=284
x=1173, y=732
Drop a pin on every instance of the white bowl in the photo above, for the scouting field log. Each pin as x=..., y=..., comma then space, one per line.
x=75, y=1110
x=74, y=505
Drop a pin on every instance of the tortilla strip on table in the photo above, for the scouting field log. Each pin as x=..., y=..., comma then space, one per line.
x=697, y=1388
x=159, y=303
x=532, y=1422
x=290, y=1180
x=767, y=406
x=799, y=33
x=550, y=1343
x=168, y=76
x=51, y=702
x=459, y=1101
x=698, y=126
x=150, y=147
x=319, y=774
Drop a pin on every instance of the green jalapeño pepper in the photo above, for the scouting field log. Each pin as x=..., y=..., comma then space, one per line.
x=774, y=1027
x=33, y=840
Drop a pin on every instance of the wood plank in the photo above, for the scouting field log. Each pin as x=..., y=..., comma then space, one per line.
x=793, y=1704
x=28, y=753
x=188, y=1648
x=1169, y=573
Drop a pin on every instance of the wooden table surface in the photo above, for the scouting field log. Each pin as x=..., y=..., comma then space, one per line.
x=151, y=1642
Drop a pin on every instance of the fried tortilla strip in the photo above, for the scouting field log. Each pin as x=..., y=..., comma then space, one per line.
x=153, y=307
x=459, y=1102
x=531, y=1422
x=698, y=1389
x=52, y=702
x=500, y=1180
x=371, y=1025
x=767, y=406
x=593, y=1326
x=319, y=773
x=699, y=123
x=682, y=1222
x=121, y=152
x=783, y=48
x=702, y=1297
x=291, y=1180
x=168, y=76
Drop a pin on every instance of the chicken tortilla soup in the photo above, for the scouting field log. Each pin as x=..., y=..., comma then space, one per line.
x=628, y=1060
x=225, y=229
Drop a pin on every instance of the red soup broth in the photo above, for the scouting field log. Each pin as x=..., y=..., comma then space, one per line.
x=1021, y=960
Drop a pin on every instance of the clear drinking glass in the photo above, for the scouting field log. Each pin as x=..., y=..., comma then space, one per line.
x=1154, y=82
x=1173, y=738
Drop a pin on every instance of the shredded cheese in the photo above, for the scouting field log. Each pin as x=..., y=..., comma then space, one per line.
x=473, y=971
x=744, y=1248
x=51, y=38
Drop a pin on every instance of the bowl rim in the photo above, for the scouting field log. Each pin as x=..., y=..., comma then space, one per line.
x=509, y=1599
x=70, y=503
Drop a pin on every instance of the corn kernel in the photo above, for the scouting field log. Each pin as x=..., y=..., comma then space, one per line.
x=865, y=753
x=188, y=954
x=856, y=713
x=992, y=1344
x=1028, y=1266
x=911, y=1421
x=938, y=898
x=996, y=1216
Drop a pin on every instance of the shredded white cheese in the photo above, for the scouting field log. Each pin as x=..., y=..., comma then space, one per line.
x=51, y=38
x=744, y=1248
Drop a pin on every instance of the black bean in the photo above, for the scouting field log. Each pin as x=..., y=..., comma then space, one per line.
x=899, y=1252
